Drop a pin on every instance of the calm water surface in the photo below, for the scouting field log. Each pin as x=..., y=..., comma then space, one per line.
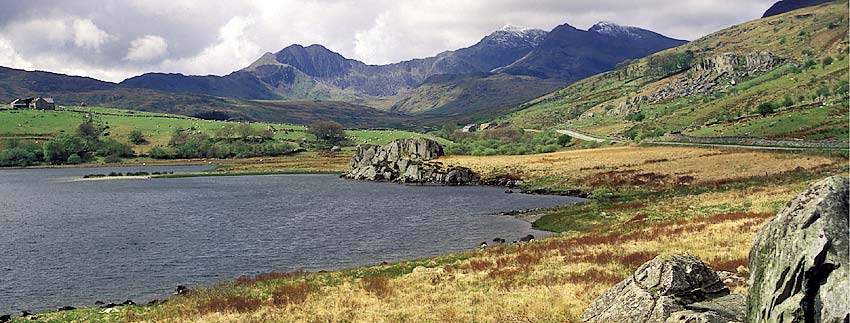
x=75, y=242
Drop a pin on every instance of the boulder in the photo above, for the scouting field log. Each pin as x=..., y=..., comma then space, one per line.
x=663, y=286
x=406, y=161
x=799, y=266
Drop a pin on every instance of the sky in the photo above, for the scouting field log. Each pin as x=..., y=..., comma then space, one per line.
x=113, y=40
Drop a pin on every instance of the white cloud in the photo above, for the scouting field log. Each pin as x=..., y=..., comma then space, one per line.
x=10, y=58
x=88, y=35
x=233, y=51
x=147, y=48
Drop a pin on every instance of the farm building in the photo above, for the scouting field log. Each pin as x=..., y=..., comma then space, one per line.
x=37, y=103
x=470, y=128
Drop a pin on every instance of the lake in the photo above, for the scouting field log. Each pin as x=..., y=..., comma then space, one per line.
x=73, y=243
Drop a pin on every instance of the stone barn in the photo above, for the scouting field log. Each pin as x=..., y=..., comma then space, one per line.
x=37, y=103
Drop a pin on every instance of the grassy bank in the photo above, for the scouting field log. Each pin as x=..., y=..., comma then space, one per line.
x=644, y=206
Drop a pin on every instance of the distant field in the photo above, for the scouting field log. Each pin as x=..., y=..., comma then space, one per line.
x=157, y=127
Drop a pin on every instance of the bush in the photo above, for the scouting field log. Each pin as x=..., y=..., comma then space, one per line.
x=766, y=108
x=137, y=137
x=564, y=140
x=74, y=159
x=826, y=61
x=18, y=153
x=502, y=141
x=637, y=116
x=112, y=159
x=111, y=147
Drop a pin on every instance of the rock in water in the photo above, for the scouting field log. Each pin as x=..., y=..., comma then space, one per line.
x=676, y=287
x=406, y=161
x=799, y=261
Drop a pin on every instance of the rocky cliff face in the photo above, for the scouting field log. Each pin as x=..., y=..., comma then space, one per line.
x=800, y=271
x=406, y=161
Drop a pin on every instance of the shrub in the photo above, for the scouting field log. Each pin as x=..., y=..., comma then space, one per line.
x=378, y=286
x=765, y=108
x=291, y=294
x=637, y=116
x=137, y=137
x=111, y=147
x=111, y=159
x=826, y=61
x=74, y=159
x=809, y=63
x=19, y=153
x=564, y=140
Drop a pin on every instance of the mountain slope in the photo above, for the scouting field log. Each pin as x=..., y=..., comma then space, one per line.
x=315, y=72
x=73, y=90
x=570, y=54
x=795, y=61
x=784, y=6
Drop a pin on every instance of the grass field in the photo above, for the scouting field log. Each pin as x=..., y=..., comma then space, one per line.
x=713, y=216
x=156, y=127
x=824, y=122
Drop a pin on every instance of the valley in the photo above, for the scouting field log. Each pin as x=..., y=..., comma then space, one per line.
x=534, y=176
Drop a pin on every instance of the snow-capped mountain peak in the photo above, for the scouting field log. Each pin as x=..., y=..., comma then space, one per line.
x=614, y=29
x=514, y=28
x=510, y=35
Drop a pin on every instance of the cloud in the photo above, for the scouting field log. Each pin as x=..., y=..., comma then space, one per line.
x=115, y=39
x=88, y=35
x=233, y=49
x=147, y=48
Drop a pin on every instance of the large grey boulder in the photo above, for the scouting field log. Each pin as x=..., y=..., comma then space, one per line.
x=406, y=161
x=666, y=285
x=799, y=261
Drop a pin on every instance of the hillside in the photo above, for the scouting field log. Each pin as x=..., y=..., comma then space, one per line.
x=758, y=72
x=74, y=90
x=541, y=59
x=570, y=54
x=468, y=98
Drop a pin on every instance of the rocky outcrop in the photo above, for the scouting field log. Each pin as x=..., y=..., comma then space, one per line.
x=675, y=288
x=407, y=161
x=716, y=73
x=799, y=264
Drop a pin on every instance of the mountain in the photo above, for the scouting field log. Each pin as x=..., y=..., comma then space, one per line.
x=570, y=54
x=74, y=90
x=784, y=6
x=315, y=72
x=784, y=76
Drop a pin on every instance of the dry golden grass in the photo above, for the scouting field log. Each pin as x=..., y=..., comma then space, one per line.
x=552, y=280
x=625, y=167
x=325, y=163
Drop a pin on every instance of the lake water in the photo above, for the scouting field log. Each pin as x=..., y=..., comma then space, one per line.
x=76, y=242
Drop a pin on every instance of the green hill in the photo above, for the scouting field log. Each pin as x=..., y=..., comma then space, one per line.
x=783, y=76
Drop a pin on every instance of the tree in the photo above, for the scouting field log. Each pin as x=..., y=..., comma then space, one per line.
x=564, y=140
x=765, y=108
x=137, y=137
x=245, y=131
x=89, y=131
x=328, y=132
